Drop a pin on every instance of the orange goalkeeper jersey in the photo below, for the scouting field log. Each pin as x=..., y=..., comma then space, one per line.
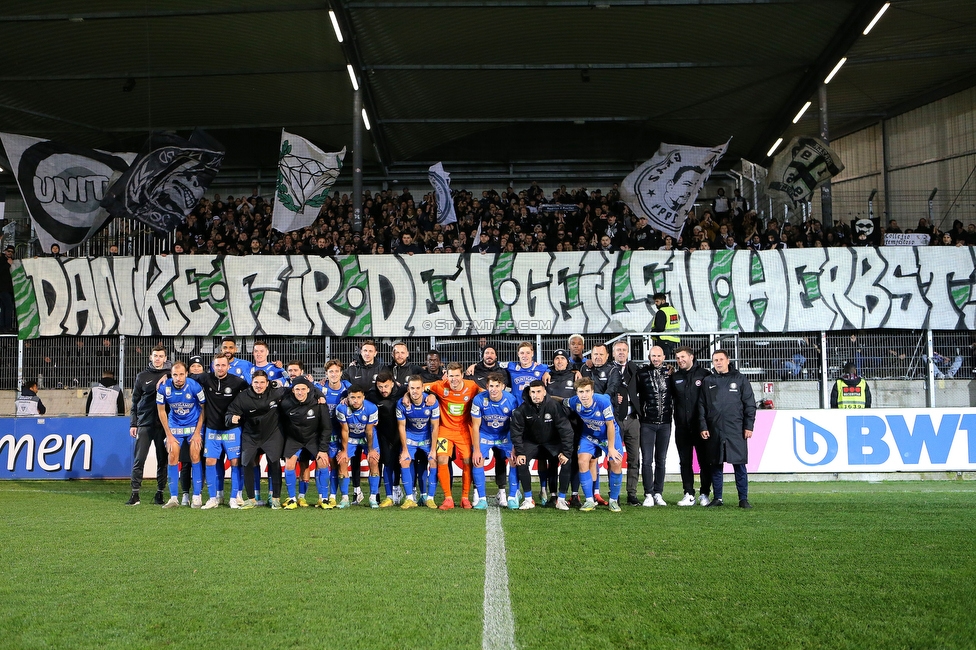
x=455, y=408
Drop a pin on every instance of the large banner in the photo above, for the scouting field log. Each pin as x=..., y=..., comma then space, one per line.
x=63, y=448
x=803, y=165
x=529, y=293
x=872, y=440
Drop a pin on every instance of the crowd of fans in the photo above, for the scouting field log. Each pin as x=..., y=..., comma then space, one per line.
x=510, y=221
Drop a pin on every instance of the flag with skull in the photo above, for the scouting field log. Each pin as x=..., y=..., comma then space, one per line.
x=664, y=188
x=305, y=176
x=800, y=168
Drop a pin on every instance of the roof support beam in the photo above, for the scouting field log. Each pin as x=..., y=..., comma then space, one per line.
x=110, y=76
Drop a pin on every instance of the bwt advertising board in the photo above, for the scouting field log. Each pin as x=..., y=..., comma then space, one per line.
x=810, y=441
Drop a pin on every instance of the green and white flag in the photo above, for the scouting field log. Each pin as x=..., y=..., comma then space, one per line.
x=305, y=176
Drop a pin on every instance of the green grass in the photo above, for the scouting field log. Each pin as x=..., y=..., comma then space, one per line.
x=837, y=565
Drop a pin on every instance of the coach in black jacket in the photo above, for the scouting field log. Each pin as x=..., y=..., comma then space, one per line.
x=622, y=388
x=656, y=407
x=726, y=415
x=540, y=429
x=145, y=427
x=364, y=370
x=255, y=410
x=685, y=385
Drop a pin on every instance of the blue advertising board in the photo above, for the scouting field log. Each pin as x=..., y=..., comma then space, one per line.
x=65, y=448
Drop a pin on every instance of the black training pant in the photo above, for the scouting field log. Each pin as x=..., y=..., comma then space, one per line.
x=146, y=436
x=551, y=456
x=688, y=441
x=654, y=444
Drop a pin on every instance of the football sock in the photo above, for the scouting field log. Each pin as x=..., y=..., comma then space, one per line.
x=478, y=473
x=586, y=482
x=444, y=478
x=389, y=479
x=198, y=479
x=257, y=479
x=236, y=480
x=406, y=474
x=344, y=484
x=303, y=488
x=512, y=481
x=174, y=480
x=466, y=481
x=323, y=481
x=431, y=486
x=212, y=480
x=616, y=479
x=290, y=484
x=374, y=485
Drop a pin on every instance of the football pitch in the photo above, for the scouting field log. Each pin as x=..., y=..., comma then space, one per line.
x=835, y=565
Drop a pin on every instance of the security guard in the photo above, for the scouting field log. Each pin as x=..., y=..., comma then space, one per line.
x=850, y=391
x=666, y=320
x=28, y=404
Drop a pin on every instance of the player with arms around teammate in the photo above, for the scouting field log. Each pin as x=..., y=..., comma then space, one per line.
x=221, y=388
x=454, y=395
x=357, y=421
x=600, y=435
x=334, y=387
x=184, y=399
x=308, y=430
x=419, y=424
x=491, y=412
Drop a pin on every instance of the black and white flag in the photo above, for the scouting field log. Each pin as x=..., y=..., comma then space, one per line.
x=441, y=181
x=167, y=180
x=665, y=187
x=62, y=186
x=305, y=176
x=800, y=167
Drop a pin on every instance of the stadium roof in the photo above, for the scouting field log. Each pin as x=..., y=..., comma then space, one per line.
x=494, y=81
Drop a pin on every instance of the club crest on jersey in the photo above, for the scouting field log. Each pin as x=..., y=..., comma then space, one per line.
x=548, y=417
x=227, y=390
x=579, y=408
x=447, y=392
x=504, y=409
x=732, y=386
x=537, y=373
x=698, y=382
x=311, y=412
x=466, y=398
x=169, y=391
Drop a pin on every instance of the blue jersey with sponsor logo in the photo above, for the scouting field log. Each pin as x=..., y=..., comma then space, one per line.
x=274, y=372
x=495, y=416
x=357, y=420
x=522, y=377
x=595, y=417
x=184, y=403
x=418, y=419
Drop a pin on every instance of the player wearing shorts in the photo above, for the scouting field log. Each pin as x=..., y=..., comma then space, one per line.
x=357, y=420
x=491, y=412
x=335, y=388
x=184, y=399
x=221, y=388
x=600, y=435
x=419, y=424
x=454, y=396
x=307, y=429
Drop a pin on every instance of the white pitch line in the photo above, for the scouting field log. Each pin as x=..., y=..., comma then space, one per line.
x=499, y=625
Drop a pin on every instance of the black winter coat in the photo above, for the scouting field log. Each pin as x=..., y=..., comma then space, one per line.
x=685, y=387
x=562, y=383
x=144, y=413
x=259, y=413
x=543, y=424
x=306, y=421
x=656, y=401
x=623, y=390
x=726, y=408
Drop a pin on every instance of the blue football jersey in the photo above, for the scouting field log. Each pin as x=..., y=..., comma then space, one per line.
x=522, y=377
x=184, y=402
x=418, y=419
x=596, y=416
x=239, y=368
x=357, y=420
x=273, y=372
x=495, y=416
